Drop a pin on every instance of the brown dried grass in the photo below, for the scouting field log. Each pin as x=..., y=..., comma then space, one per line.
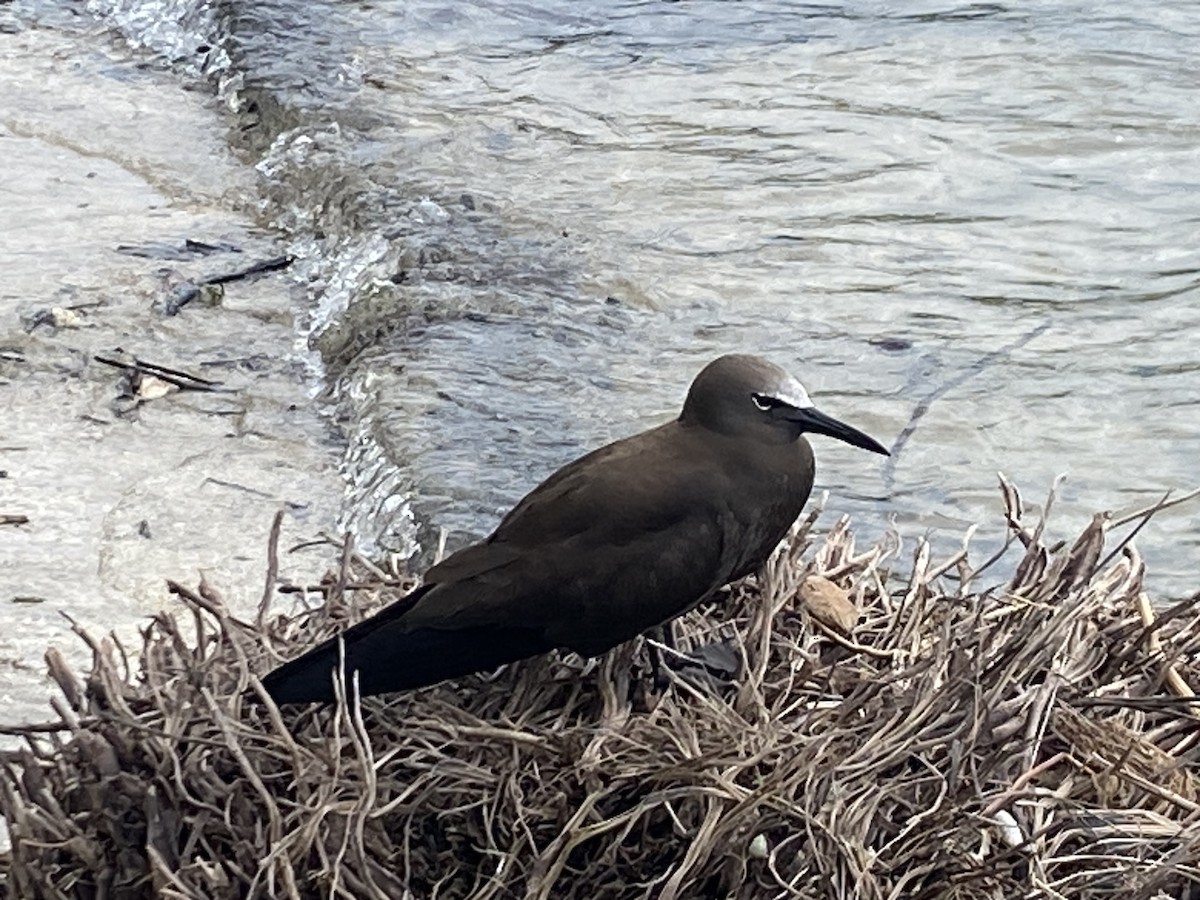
x=1031, y=739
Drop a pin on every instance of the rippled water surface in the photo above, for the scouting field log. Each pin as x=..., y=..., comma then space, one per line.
x=970, y=230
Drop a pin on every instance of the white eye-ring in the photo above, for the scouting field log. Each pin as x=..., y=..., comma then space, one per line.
x=764, y=402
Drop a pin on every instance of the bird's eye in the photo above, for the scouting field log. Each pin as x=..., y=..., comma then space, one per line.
x=765, y=402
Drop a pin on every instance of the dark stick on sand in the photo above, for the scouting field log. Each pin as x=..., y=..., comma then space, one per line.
x=180, y=379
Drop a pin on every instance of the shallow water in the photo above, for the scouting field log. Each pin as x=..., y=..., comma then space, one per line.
x=100, y=153
x=523, y=229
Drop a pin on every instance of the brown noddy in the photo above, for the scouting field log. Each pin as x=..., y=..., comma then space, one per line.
x=621, y=540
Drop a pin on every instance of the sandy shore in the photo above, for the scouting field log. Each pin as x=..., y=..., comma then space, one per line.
x=100, y=153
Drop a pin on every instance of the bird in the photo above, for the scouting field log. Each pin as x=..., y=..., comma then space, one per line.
x=613, y=544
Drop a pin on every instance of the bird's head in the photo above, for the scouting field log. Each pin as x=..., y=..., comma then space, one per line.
x=747, y=396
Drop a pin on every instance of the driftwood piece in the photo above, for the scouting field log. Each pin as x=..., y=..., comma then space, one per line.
x=212, y=286
x=180, y=379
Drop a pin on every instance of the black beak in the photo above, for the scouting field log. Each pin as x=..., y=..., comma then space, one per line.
x=814, y=421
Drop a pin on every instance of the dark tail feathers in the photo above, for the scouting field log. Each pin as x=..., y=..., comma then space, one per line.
x=388, y=658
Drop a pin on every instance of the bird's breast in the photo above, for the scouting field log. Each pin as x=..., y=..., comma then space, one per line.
x=766, y=505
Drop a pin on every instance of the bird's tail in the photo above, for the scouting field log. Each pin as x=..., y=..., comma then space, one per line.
x=387, y=658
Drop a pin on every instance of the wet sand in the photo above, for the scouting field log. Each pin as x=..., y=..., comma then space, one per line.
x=100, y=153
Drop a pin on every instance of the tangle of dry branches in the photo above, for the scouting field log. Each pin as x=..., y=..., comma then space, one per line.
x=1031, y=736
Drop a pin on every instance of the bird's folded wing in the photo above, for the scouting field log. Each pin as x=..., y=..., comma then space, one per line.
x=598, y=553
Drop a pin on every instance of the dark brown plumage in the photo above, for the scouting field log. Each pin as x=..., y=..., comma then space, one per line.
x=616, y=542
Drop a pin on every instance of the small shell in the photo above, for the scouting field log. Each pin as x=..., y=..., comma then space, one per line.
x=758, y=847
x=151, y=388
x=65, y=318
x=1010, y=831
x=829, y=603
